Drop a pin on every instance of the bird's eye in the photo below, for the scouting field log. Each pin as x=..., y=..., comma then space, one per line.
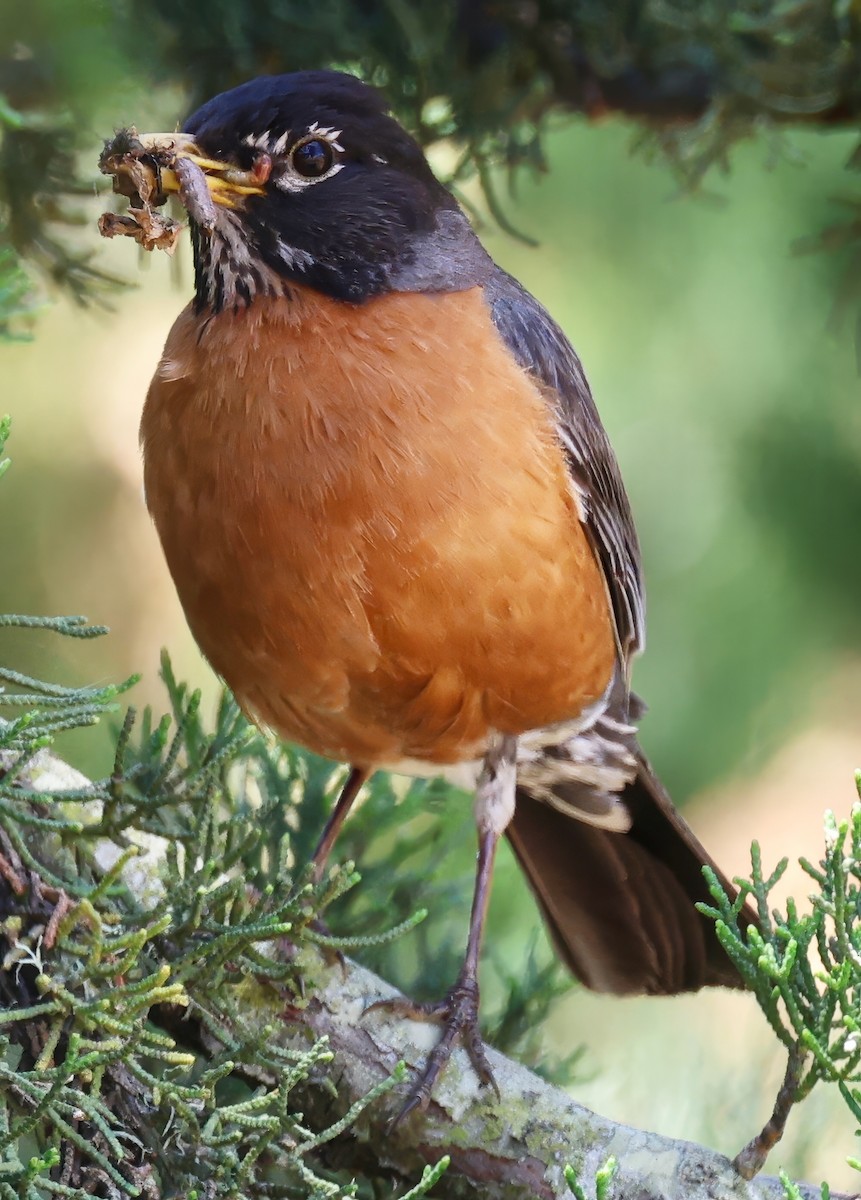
x=313, y=158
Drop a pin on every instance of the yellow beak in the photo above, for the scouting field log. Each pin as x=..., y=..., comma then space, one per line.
x=172, y=162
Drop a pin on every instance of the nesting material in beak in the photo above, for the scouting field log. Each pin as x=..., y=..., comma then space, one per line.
x=148, y=167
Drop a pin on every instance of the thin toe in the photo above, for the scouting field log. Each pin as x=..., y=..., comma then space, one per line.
x=458, y=1014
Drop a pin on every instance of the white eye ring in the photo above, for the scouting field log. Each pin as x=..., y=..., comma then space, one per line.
x=291, y=178
x=312, y=157
x=284, y=173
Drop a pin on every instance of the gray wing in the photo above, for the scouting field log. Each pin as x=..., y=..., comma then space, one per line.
x=542, y=349
x=615, y=869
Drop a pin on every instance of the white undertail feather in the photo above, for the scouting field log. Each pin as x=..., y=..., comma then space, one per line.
x=579, y=767
x=496, y=790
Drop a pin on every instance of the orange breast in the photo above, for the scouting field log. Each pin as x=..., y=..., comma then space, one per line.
x=370, y=526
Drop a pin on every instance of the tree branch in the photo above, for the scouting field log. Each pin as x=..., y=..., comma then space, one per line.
x=517, y=1147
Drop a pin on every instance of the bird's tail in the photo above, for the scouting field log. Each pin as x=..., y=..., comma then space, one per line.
x=620, y=906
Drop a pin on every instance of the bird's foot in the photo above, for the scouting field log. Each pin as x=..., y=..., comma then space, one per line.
x=458, y=1014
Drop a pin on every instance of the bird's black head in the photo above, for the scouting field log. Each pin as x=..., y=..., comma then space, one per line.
x=317, y=184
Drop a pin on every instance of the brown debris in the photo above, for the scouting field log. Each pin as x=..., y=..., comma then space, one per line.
x=136, y=174
x=16, y=882
x=61, y=908
x=151, y=230
x=136, y=171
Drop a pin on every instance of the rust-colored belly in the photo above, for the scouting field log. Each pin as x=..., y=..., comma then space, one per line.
x=369, y=524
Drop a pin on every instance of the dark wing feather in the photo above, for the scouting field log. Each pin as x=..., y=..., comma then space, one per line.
x=620, y=907
x=542, y=349
x=619, y=900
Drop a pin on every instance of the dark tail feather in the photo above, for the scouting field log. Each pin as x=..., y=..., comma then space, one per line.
x=620, y=906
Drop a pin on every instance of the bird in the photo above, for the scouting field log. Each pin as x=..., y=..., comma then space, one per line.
x=398, y=530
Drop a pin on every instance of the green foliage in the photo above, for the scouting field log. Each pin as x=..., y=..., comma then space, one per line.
x=100, y=976
x=604, y=1177
x=40, y=202
x=5, y=426
x=58, y=64
x=805, y=969
x=844, y=238
x=98, y=970
x=14, y=289
x=792, y=1191
x=489, y=78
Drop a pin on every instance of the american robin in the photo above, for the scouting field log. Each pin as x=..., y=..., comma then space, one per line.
x=397, y=527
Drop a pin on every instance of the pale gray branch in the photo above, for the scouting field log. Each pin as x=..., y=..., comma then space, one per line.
x=512, y=1149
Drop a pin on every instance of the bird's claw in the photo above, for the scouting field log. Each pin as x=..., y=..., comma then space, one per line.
x=458, y=1014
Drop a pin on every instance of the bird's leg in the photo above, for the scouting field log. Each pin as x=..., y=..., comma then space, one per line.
x=458, y=1011
x=357, y=777
x=353, y=785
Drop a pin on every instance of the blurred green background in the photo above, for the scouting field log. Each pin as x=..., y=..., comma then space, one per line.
x=735, y=415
